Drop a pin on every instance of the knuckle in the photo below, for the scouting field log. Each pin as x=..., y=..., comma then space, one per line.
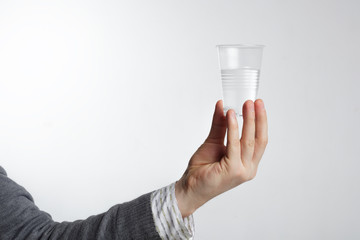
x=263, y=141
x=249, y=142
x=239, y=175
x=253, y=175
x=252, y=172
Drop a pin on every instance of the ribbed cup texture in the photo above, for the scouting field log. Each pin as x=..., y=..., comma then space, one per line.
x=238, y=86
x=240, y=78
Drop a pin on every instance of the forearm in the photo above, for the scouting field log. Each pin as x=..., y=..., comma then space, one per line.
x=130, y=220
x=20, y=219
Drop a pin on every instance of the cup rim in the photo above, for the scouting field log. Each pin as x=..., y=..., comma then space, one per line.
x=240, y=45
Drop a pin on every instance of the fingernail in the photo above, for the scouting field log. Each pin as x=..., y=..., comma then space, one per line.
x=252, y=108
x=262, y=105
x=233, y=115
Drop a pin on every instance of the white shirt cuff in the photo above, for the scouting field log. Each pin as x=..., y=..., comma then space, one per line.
x=167, y=217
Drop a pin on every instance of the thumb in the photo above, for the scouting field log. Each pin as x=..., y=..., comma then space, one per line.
x=218, y=126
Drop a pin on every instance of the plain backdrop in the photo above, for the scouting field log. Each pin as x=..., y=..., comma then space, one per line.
x=103, y=101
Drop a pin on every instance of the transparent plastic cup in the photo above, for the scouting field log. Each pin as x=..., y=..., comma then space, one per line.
x=240, y=73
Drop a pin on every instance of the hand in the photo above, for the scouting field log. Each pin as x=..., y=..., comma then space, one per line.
x=215, y=168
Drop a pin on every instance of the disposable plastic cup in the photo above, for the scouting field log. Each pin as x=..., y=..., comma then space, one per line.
x=240, y=74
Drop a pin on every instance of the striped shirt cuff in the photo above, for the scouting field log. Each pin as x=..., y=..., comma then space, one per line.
x=167, y=217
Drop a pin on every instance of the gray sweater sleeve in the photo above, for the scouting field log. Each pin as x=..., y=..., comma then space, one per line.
x=21, y=219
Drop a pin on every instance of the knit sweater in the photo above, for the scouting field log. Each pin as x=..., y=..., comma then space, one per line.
x=21, y=219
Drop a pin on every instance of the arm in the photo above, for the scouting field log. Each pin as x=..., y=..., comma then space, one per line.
x=20, y=219
x=215, y=168
x=212, y=170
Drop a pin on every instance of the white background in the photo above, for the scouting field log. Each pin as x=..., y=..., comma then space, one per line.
x=103, y=101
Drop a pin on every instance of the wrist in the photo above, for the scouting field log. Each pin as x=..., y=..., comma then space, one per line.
x=186, y=201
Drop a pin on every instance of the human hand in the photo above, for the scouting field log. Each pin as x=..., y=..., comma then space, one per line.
x=215, y=168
